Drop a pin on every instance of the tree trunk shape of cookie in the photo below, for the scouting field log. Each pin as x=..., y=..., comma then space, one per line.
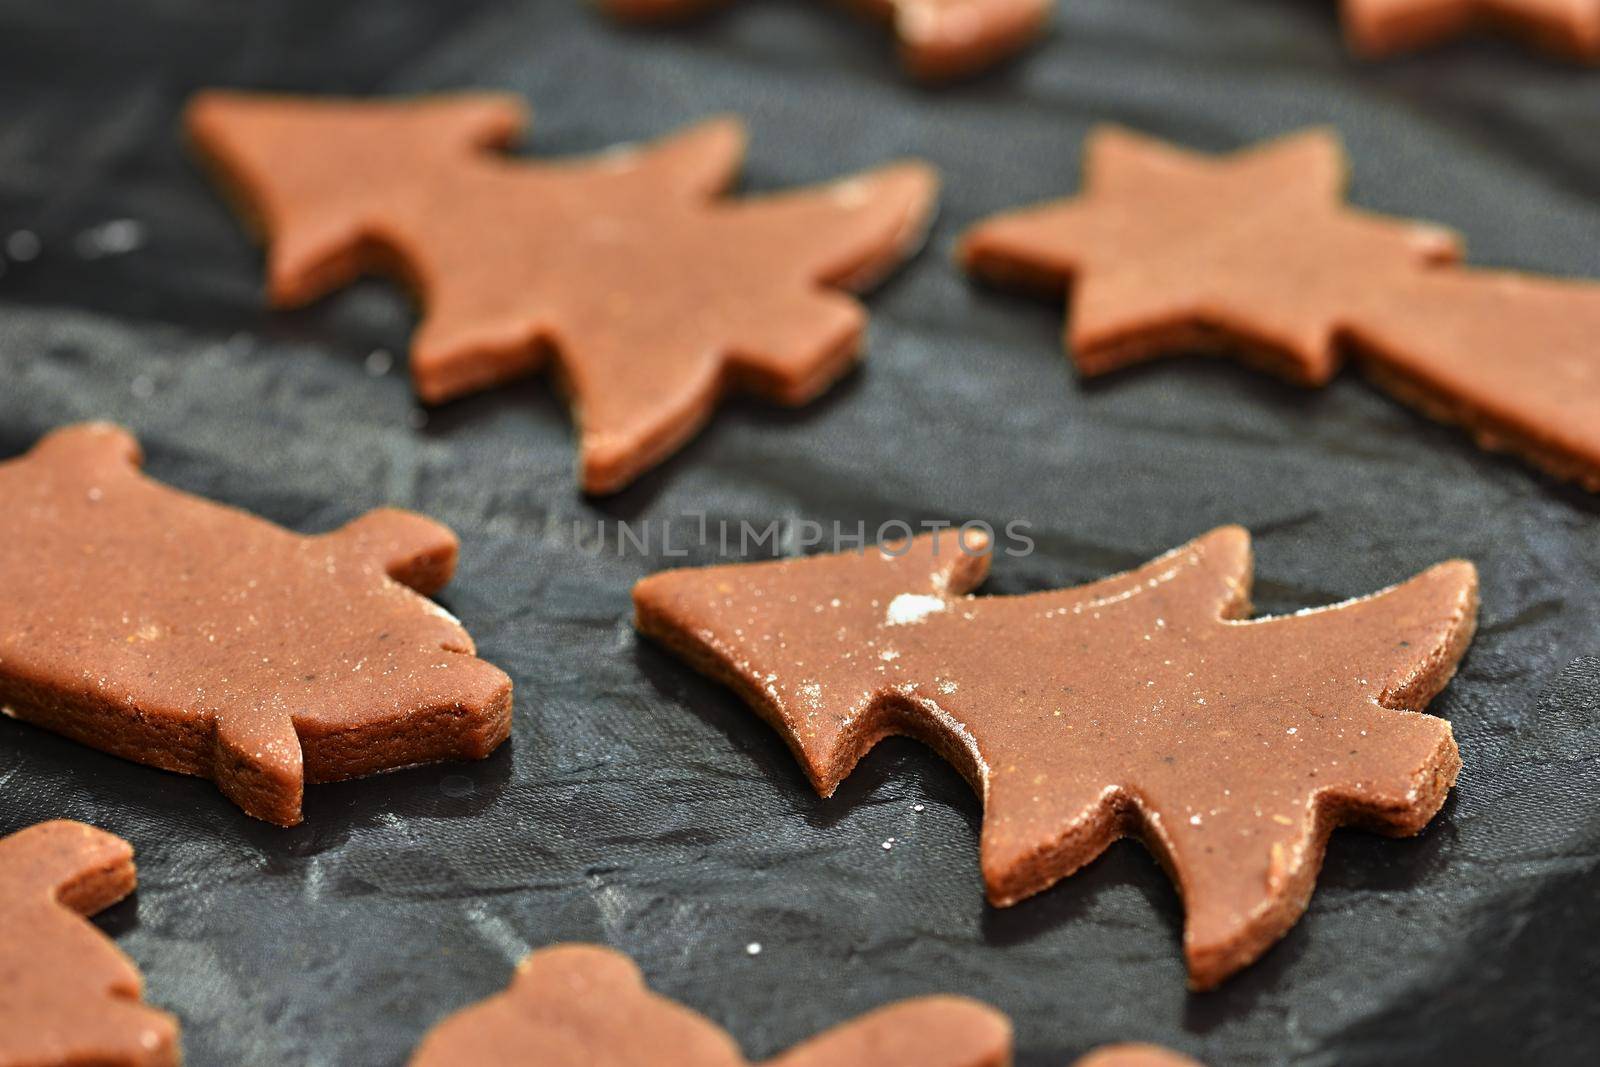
x=1142, y=704
x=582, y=1006
x=1255, y=254
x=193, y=637
x=68, y=997
x=1380, y=27
x=939, y=39
x=649, y=294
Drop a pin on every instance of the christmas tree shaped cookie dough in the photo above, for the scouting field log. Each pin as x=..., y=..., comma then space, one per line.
x=197, y=638
x=939, y=39
x=67, y=996
x=649, y=294
x=1144, y=704
x=1255, y=255
x=1569, y=27
x=580, y=1005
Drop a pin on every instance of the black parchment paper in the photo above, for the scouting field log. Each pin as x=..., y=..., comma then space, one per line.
x=642, y=807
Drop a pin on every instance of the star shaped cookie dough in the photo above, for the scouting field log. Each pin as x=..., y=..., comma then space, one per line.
x=1256, y=255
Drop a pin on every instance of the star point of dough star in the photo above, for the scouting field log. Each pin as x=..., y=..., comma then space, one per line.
x=649, y=294
x=939, y=40
x=1381, y=27
x=1254, y=254
x=197, y=638
x=1143, y=704
x=67, y=994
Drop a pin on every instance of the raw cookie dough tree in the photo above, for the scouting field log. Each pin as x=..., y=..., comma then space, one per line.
x=649, y=294
x=194, y=637
x=68, y=997
x=1255, y=254
x=939, y=39
x=1144, y=704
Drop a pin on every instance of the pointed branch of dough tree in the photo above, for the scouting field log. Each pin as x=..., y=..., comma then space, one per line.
x=217, y=644
x=573, y=1005
x=650, y=295
x=70, y=996
x=1255, y=255
x=412, y=549
x=939, y=40
x=1140, y=704
x=323, y=215
x=1382, y=27
x=258, y=762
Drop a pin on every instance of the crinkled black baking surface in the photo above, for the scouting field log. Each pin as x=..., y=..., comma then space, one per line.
x=640, y=806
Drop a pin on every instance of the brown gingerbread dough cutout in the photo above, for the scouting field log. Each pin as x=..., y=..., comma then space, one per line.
x=1380, y=27
x=582, y=1005
x=578, y=1005
x=1255, y=254
x=650, y=295
x=68, y=997
x=1144, y=704
x=197, y=638
x=939, y=39
x=1136, y=1055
